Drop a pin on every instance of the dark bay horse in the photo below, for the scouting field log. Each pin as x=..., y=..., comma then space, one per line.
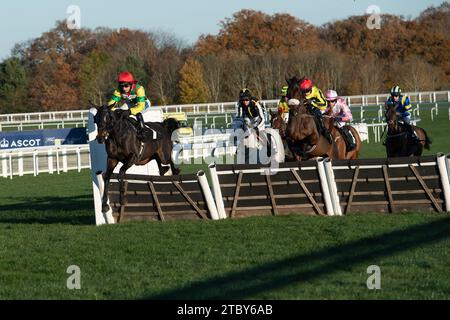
x=302, y=135
x=277, y=122
x=119, y=133
x=398, y=143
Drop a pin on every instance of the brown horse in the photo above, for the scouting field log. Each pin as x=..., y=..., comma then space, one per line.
x=349, y=154
x=398, y=143
x=353, y=154
x=302, y=135
x=118, y=131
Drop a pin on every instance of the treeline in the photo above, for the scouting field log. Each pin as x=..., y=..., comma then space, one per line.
x=66, y=69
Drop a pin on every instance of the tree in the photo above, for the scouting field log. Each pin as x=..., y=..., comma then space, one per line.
x=213, y=68
x=92, y=78
x=415, y=75
x=165, y=66
x=370, y=75
x=237, y=75
x=193, y=88
x=13, y=86
x=251, y=32
x=53, y=61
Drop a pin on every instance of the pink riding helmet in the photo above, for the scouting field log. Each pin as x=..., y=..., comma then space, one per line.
x=331, y=95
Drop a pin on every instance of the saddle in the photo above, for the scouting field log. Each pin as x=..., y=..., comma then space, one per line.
x=408, y=129
x=151, y=130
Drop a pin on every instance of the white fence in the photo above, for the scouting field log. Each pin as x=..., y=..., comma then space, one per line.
x=44, y=160
x=208, y=111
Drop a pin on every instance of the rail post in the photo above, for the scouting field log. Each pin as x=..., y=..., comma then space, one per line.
x=20, y=163
x=50, y=161
x=444, y=179
x=35, y=163
x=208, y=195
x=78, y=159
x=217, y=191
x=4, y=165
x=325, y=190
x=64, y=159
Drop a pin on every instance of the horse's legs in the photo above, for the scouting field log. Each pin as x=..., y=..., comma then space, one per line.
x=123, y=169
x=111, y=164
x=164, y=158
x=340, y=145
x=175, y=171
x=168, y=156
x=162, y=169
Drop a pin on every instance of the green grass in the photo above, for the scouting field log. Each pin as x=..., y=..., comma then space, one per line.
x=46, y=225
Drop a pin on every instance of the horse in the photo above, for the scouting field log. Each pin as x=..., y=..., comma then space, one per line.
x=353, y=154
x=119, y=134
x=302, y=135
x=398, y=143
x=349, y=154
x=277, y=122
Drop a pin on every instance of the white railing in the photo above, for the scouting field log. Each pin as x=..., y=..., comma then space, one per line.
x=78, y=116
x=44, y=160
x=43, y=124
x=68, y=115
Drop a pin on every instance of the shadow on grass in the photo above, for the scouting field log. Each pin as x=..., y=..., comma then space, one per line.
x=77, y=210
x=306, y=267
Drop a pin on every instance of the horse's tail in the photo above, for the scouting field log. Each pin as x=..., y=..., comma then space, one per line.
x=171, y=125
x=428, y=141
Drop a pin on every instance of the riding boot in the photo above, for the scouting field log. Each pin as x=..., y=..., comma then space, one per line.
x=322, y=127
x=144, y=134
x=412, y=134
x=140, y=119
x=349, y=138
x=259, y=140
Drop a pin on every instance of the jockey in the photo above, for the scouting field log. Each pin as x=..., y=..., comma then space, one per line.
x=132, y=93
x=338, y=109
x=283, y=107
x=403, y=106
x=317, y=102
x=250, y=109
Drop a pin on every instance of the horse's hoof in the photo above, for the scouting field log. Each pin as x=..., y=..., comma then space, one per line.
x=176, y=172
x=105, y=208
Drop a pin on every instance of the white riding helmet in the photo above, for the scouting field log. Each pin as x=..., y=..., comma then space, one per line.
x=331, y=95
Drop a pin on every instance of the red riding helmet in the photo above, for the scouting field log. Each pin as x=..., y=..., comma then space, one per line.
x=306, y=85
x=125, y=77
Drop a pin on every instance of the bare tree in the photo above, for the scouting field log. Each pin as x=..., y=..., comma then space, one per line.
x=418, y=75
x=213, y=68
x=370, y=75
x=237, y=74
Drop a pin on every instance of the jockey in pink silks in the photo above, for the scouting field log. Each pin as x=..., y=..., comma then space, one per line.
x=341, y=112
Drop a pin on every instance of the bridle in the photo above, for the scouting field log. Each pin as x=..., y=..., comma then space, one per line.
x=104, y=122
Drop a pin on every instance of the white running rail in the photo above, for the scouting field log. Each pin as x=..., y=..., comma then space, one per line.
x=44, y=160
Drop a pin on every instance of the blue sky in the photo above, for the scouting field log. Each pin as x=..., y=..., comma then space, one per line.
x=187, y=19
